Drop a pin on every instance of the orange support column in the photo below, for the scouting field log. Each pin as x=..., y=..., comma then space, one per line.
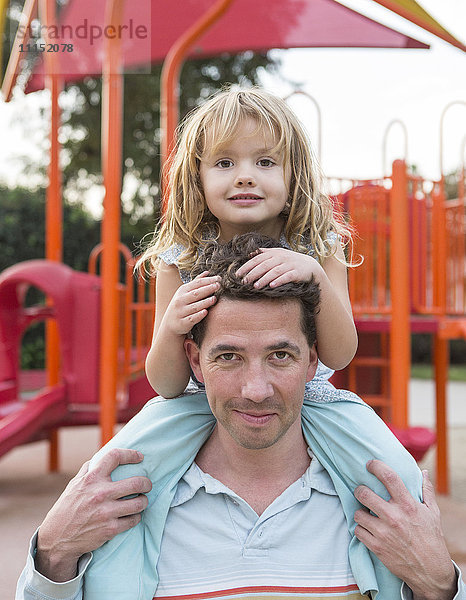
x=169, y=111
x=400, y=344
x=22, y=36
x=441, y=360
x=441, y=342
x=54, y=207
x=112, y=136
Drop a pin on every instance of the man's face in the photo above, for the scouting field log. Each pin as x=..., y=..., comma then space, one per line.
x=255, y=361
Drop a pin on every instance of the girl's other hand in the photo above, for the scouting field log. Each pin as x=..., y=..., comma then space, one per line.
x=190, y=303
x=276, y=266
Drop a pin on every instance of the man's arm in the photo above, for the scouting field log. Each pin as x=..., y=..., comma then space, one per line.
x=92, y=510
x=407, y=535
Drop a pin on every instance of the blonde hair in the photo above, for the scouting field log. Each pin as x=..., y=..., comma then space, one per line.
x=310, y=215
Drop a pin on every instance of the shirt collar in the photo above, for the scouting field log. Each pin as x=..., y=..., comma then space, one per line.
x=314, y=478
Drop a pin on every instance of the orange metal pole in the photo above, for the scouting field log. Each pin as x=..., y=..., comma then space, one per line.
x=441, y=349
x=415, y=258
x=400, y=350
x=54, y=207
x=169, y=92
x=112, y=135
x=11, y=72
x=441, y=375
x=441, y=252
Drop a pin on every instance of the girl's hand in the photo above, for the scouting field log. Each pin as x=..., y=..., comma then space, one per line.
x=190, y=303
x=276, y=266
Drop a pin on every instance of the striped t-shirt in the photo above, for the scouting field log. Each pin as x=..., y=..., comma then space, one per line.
x=215, y=546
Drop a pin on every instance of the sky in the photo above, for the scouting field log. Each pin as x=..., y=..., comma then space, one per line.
x=359, y=92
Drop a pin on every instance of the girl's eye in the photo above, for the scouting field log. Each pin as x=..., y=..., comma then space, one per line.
x=225, y=163
x=281, y=355
x=266, y=162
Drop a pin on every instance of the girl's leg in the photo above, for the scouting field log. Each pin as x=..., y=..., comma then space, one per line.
x=169, y=433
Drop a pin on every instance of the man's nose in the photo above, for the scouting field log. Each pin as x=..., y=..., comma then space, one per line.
x=256, y=385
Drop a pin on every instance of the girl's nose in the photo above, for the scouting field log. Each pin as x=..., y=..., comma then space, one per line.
x=245, y=181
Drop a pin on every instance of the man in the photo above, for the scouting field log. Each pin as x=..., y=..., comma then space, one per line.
x=255, y=514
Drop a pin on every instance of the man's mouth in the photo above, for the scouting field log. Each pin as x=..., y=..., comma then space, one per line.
x=255, y=419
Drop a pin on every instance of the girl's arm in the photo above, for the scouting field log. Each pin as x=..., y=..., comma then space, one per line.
x=178, y=307
x=337, y=339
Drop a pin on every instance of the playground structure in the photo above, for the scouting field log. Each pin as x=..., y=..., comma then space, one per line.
x=74, y=302
x=393, y=216
x=397, y=217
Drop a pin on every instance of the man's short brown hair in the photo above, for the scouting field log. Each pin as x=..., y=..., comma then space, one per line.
x=225, y=259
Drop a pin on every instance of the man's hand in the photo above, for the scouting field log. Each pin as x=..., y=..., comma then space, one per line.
x=406, y=535
x=91, y=511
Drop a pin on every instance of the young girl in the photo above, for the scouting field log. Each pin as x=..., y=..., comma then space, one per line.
x=243, y=163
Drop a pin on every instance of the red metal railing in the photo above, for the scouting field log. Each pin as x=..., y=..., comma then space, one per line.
x=136, y=320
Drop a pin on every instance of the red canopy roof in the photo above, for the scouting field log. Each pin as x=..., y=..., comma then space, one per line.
x=247, y=25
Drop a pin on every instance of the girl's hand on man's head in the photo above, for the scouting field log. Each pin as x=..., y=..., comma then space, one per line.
x=276, y=266
x=190, y=303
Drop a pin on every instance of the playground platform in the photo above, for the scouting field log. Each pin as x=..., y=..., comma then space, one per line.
x=27, y=491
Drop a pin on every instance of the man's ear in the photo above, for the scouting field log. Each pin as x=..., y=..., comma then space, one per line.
x=313, y=360
x=192, y=352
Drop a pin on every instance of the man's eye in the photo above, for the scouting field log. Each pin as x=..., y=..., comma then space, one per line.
x=266, y=162
x=225, y=163
x=227, y=357
x=281, y=355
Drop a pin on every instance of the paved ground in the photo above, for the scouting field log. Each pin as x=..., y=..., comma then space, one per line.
x=27, y=491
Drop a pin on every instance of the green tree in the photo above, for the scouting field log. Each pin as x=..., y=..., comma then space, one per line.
x=22, y=229
x=22, y=237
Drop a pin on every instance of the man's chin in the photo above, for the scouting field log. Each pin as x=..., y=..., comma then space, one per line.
x=256, y=440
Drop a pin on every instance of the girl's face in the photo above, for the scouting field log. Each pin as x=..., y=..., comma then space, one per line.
x=244, y=184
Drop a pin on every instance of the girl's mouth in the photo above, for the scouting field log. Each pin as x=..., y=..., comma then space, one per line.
x=245, y=199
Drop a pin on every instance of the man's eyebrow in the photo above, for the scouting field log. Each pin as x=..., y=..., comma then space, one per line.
x=285, y=345
x=223, y=348
x=280, y=345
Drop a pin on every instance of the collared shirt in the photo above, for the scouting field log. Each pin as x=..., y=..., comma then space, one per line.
x=216, y=546
x=34, y=586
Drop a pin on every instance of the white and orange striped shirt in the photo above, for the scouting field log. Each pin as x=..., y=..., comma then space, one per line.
x=215, y=546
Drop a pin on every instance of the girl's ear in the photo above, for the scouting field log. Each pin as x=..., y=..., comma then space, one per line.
x=192, y=352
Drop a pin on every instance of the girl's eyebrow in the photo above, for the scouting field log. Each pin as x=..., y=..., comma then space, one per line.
x=226, y=150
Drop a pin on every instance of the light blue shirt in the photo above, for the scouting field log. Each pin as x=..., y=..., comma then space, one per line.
x=277, y=541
